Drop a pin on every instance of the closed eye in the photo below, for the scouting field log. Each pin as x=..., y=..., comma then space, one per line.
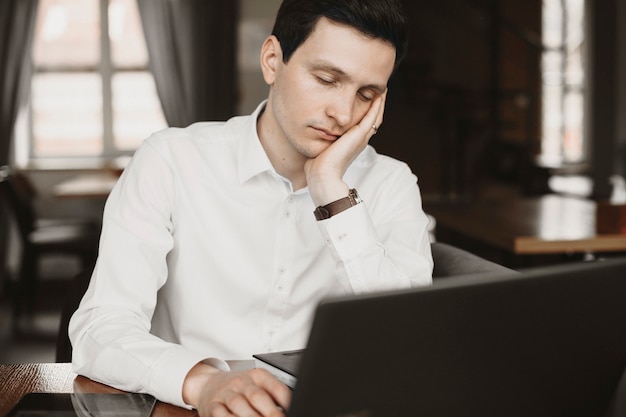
x=367, y=95
x=324, y=80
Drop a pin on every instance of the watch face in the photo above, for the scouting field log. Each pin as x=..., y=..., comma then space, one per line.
x=354, y=197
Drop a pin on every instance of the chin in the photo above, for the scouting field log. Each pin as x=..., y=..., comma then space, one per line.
x=313, y=151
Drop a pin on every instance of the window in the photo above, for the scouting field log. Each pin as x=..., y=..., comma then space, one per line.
x=91, y=92
x=563, y=78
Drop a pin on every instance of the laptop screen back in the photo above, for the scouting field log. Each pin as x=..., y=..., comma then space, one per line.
x=548, y=342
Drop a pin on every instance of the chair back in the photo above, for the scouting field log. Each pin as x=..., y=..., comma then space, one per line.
x=451, y=261
x=77, y=289
x=5, y=223
x=18, y=194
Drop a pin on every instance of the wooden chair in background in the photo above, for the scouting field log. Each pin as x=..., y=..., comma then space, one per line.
x=39, y=238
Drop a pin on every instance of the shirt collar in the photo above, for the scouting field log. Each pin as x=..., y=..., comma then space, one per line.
x=252, y=157
x=253, y=160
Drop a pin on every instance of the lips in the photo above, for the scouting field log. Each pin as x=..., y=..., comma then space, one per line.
x=326, y=134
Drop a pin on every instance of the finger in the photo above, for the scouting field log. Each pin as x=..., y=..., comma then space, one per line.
x=281, y=395
x=262, y=402
x=278, y=392
x=217, y=410
x=371, y=121
x=239, y=404
x=381, y=110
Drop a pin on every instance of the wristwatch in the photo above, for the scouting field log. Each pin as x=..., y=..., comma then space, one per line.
x=337, y=206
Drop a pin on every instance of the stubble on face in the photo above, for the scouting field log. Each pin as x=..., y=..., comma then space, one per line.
x=297, y=121
x=300, y=121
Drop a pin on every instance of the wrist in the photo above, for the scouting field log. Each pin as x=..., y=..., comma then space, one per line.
x=337, y=206
x=325, y=192
x=197, y=378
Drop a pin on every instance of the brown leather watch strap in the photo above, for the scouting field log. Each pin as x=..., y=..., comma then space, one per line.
x=337, y=206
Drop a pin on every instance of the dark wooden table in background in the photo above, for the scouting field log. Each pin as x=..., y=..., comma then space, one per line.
x=551, y=224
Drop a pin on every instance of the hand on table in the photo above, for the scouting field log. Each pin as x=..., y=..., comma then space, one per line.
x=253, y=393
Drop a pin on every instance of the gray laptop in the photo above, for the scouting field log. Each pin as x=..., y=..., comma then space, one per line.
x=547, y=342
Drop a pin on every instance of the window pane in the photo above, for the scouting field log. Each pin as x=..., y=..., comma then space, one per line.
x=69, y=103
x=573, y=120
x=551, y=66
x=551, y=125
x=67, y=34
x=136, y=109
x=563, y=79
x=552, y=23
x=575, y=14
x=575, y=43
x=574, y=72
x=67, y=114
x=128, y=46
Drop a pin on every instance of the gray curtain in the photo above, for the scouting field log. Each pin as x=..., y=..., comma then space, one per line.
x=192, y=49
x=17, y=22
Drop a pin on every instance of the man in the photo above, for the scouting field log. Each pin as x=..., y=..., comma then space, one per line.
x=220, y=238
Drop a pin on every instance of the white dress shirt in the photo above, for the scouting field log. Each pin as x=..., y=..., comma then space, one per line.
x=208, y=254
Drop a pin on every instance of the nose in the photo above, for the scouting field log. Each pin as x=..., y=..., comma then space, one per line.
x=341, y=108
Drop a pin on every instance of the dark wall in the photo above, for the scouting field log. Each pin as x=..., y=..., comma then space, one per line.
x=606, y=93
x=463, y=107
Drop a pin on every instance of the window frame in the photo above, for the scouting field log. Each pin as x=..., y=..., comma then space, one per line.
x=567, y=90
x=24, y=149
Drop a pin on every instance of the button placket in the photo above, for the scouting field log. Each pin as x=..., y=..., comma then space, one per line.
x=284, y=254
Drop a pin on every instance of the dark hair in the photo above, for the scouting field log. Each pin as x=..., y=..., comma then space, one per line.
x=383, y=19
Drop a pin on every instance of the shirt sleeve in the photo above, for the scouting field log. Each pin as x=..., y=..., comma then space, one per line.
x=383, y=242
x=110, y=331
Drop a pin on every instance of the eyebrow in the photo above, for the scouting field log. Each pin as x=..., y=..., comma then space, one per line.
x=327, y=66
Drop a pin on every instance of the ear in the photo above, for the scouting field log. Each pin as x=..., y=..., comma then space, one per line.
x=271, y=59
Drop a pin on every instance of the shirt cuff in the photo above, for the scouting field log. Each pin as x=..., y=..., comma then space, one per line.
x=172, y=369
x=349, y=233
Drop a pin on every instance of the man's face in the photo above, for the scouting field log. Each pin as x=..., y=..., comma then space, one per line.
x=326, y=87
